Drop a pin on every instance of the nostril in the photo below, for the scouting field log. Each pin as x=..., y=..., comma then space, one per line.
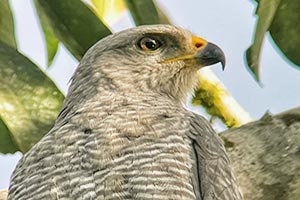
x=198, y=42
x=198, y=45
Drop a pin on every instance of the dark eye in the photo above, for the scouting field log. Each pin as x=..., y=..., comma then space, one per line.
x=149, y=44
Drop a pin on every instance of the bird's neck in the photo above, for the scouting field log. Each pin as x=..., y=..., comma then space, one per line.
x=103, y=101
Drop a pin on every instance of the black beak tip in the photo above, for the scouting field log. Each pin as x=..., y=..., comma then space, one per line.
x=211, y=54
x=223, y=62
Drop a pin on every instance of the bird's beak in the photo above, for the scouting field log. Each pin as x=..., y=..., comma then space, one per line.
x=208, y=53
x=203, y=53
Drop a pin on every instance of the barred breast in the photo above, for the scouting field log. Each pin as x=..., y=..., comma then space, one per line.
x=113, y=151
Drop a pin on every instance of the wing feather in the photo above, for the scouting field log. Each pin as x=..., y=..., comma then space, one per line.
x=212, y=173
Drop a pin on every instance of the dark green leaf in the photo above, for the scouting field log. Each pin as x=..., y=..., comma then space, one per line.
x=266, y=11
x=7, y=33
x=50, y=38
x=6, y=142
x=285, y=29
x=29, y=100
x=143, y=12
x=74, y=24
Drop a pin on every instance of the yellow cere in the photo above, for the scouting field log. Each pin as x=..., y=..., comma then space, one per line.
x=198, y=42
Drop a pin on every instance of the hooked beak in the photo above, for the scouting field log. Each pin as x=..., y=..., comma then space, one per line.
x=203, y=54
x=209, y=55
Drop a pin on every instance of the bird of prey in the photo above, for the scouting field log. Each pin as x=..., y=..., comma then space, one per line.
x=123, y=132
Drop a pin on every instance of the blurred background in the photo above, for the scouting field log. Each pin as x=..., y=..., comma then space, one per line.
x=230, y=24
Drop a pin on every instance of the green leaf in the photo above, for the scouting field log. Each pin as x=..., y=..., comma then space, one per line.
x=29, y=100
x=7, y=32
x=285, y=29
x=143, y=12
x=7, y=145
x=74, y=24
x=50, y=38
x=265, y=11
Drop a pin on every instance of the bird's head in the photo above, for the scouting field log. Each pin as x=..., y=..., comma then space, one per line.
x=157, y=58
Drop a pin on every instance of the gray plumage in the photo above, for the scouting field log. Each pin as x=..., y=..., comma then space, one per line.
x=123, y=132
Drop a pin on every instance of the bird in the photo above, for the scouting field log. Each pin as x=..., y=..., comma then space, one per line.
x=123, y=131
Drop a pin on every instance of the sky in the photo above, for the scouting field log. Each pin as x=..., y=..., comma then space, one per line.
x=230, y=24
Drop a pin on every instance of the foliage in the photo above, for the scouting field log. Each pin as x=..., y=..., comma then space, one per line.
x=6, y=24
x=50, y=38
x=281, y=19
x=74, y=24
x=30, y=101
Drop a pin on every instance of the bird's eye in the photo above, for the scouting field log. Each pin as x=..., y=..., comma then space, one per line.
x=149, y=44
